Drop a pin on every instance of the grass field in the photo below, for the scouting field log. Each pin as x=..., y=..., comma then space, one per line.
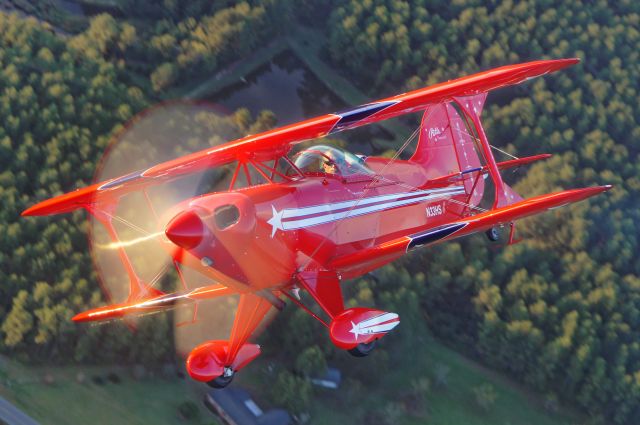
x=151, y=400
x=453, y=404
x=156, y=399
x=388, y=394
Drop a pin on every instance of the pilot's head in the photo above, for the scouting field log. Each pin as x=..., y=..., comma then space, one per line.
x=329, y=165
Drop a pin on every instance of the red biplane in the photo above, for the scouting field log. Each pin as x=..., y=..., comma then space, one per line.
x=311, y=220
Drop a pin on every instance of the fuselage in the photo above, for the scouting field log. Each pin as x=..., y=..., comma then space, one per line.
x=263, y=234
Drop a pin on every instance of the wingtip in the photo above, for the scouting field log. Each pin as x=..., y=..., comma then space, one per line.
x=566, y=62
x=29, y=211
x=99, y=314
x=41, y=208
x=81, y=317
x=596, y=190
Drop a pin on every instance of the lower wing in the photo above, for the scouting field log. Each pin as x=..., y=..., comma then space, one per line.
x=153, y=304
x=372, y=257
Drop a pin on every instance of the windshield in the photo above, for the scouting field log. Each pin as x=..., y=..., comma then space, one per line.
x=329, y=160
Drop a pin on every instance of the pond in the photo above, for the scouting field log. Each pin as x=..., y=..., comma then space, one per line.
x=289, y=89
x=70, y=6
x=284, y=86
x=89, y=7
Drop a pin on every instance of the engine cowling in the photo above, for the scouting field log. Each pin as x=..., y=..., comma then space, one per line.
x=361, y=326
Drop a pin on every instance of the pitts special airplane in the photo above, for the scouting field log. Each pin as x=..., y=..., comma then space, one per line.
x=324, y=215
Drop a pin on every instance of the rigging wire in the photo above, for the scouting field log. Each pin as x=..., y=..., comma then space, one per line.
x=476, y=139
x=504, y=152
x=128, y=224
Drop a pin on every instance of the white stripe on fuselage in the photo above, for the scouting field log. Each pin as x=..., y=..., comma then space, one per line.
x=356, y=208
x=296, y=212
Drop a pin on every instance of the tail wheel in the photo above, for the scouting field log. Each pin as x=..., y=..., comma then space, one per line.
x=363, y=350
x=222, y=380
x=493, y=234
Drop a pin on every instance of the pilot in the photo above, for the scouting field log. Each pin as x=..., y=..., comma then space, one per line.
x=329, y=165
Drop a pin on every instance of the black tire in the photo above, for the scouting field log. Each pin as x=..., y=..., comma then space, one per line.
x=363, y=350
x=221, y=381
x=493, y=234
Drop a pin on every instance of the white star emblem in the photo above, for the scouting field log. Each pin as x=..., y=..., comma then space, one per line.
x=276, y=220
x=355, y=329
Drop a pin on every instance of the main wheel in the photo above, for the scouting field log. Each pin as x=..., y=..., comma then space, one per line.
x=222, y=380
x=493, y=234
x=363, y=350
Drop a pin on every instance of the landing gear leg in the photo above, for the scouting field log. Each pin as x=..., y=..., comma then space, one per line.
x=222, y=380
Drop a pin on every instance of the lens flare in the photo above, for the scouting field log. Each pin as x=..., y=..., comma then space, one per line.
x=131, y=242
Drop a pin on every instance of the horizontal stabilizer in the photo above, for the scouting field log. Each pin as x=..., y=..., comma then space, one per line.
x=518, y=162
x=525, y=208
x=513, y=163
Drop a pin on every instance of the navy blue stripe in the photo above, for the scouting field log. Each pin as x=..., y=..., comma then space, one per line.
x=433, y=235
x=121, y=180
x=352, y=116
x=471, y=170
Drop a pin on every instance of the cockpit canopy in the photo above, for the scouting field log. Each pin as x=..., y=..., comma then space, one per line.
x=329, y=160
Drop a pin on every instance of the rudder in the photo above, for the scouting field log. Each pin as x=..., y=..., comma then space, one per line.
x=447, y=144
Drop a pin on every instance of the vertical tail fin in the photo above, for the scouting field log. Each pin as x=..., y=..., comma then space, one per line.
x=448, y=144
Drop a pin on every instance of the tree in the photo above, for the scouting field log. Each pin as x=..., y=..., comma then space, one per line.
x=291, y=391
x=189, y=410
x=311, y=361
x=19, y=321
x=163, y=76
x=485, y=395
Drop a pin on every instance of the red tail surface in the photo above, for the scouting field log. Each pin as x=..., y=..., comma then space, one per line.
x=447, y=144
x=450, y=142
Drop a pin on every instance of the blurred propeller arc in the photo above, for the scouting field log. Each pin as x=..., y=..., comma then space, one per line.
x=158, y=134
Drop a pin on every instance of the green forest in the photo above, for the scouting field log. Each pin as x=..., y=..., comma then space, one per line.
x=558, y=312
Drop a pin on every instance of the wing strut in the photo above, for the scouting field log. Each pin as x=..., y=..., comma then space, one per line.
x=324, y=287
x=251, y=310
x=472, y=107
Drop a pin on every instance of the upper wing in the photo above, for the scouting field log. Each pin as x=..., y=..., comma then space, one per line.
x=277, y=142
x=281, y=138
